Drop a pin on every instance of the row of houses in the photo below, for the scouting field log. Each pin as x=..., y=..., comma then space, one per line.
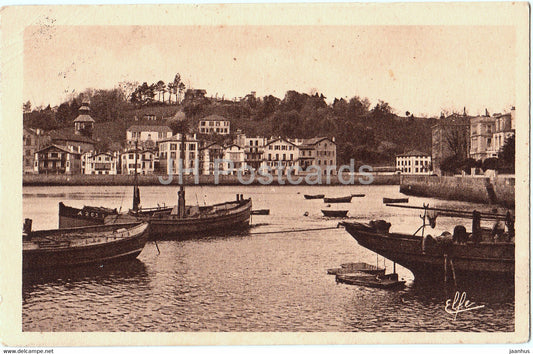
x=206, y=158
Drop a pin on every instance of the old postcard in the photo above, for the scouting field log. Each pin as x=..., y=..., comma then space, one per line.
x=253, y=174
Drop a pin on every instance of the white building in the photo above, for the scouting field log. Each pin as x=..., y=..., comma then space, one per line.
x=414, y=163
x=214, y=124
x=281, y=153
x=170, y=153
x=208, y=155
x=104, y=163
x=145, y=162
x=146, y=136
x=504, y=129
x=234, y=158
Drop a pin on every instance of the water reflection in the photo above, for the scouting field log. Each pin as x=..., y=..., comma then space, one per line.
x=258, y=279
x=128, y=271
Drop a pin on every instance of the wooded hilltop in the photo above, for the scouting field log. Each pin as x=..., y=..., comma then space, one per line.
x=369, y=134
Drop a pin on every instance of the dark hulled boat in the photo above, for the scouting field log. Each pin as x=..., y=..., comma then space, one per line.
x=261, y=212
x=82, y=245
x=432, y=261
x=334, y=213
x=395, y=200
x=173, y=221
x=358, y=195
x=313, y=196
x=347, y=199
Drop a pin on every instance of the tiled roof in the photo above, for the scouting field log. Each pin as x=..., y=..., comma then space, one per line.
x=414, y=153
x=84, y=118
x=62, y=148
x=214, y=117
x=313, y=141
x=69, y=135
x=150, y=128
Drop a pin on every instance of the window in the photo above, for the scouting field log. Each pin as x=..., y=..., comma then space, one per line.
x=192, y=147
x=130, y=156
x=172, y=146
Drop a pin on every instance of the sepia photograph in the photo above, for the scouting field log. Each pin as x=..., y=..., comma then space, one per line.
x=247, y=174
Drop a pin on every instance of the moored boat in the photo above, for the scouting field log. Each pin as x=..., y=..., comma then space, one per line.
x=313, y=196
x=357, y=267
x=357, y=195
x=430, y=259
x=387, y=281
x=347, y=199
x=261, y=212
x=395, y=200
x=82, y=245
x=334, y=213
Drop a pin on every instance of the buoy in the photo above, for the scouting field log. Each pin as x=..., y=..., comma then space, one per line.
x=306, y=213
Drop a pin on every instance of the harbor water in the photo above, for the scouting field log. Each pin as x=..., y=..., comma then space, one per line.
x=268, y=278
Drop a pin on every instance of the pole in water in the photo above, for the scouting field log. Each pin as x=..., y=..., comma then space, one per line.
x=156, y=246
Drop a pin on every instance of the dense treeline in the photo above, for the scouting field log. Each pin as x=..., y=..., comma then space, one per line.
x=369, y=134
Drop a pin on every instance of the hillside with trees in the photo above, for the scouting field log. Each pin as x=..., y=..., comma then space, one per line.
x=368, y=134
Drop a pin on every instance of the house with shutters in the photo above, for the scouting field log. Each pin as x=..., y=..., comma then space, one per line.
x=146, y=136
x=104, y=163
x=214, y=124
x=56, y=159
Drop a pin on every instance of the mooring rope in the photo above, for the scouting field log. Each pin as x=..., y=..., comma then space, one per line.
x=293, y=230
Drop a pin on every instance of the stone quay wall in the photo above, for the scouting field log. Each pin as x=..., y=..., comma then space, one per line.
x=480, y=189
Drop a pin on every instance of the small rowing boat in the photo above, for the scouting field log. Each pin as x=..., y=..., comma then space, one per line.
x=395, y=200
x=261, y=212
x=347, y=199
x=334, y=213
x=315, y=196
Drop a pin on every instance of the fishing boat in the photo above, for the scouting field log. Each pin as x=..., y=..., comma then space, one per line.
x=176, y=221
x=358, y=195
x=261, y=212
x=81, y=245
x=334, y=213
x=386, y=281
x=395, y=200
x=460, y=255
x=315, y=196
x=347, y=199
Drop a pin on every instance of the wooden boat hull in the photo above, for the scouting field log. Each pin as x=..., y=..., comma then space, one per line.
x=317, y=196
x=109, y=250
x=338, y=200
x=235, y=218
x=371, y=282
x=334, y=213
x=87, y=216
x=483, y=261
x=395, y=200
x=261, y=212
x=162, y=223
x=358, y=195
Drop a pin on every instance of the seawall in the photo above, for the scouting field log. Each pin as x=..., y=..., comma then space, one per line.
x=489, y=190
x=153, y=180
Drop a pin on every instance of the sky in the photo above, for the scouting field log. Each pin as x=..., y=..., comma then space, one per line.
x=421, y=69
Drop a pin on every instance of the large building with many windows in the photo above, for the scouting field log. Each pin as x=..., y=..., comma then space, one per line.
x=214, y=124
x=56, y=159
x=105, y=163
x=146, y=160
x=146, y=136
x=320, y=152
x=280, y=155
x=414, y=163
x=170, y=152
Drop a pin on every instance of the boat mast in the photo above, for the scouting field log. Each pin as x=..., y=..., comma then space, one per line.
x=181, y=192
x=136, y=193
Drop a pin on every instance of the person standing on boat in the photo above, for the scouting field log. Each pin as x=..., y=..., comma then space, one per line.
x=476, y=226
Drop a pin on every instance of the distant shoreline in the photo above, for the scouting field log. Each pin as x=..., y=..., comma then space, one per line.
x=153, y=180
